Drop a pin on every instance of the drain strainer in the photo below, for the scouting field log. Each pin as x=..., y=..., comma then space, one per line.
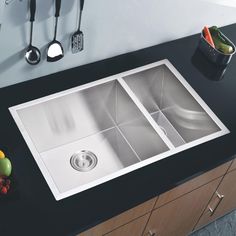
x=83, y=161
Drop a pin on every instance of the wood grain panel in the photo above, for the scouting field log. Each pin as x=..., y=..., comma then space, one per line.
x=121, y=219
x=134, y=228
x=192, y=184
x=180, y=216
x=233, y=166
x=226, y=188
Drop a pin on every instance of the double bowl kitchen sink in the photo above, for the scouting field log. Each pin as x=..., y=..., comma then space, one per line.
x=93, y=133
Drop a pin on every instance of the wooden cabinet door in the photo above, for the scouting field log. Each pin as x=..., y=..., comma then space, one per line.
x=134, y=228
x=223, y=201
x=192, y=184
x=121, y=219
x=181, y=215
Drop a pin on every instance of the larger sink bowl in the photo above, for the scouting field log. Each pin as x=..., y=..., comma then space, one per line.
x=93, y=133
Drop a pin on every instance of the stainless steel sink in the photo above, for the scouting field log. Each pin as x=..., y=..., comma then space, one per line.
x=93, y=133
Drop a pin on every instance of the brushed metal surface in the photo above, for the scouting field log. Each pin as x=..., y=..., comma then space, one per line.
x=102, y=119
x=127, y=121
x=159, y=90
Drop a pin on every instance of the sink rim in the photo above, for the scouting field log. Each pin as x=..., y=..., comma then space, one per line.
x=118, y=77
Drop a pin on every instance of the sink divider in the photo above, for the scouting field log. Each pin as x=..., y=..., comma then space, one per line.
x=126, y=140
x=176, y=137
x=146, y=113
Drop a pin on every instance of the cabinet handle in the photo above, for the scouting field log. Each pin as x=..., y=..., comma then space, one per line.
x=220, y=197
x=150, y=233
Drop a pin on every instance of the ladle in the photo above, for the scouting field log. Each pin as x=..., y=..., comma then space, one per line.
x=32, y=54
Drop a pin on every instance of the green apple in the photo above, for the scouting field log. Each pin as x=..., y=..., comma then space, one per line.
x=5, y=167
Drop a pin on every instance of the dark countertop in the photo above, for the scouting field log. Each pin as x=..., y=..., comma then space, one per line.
x=31, y=208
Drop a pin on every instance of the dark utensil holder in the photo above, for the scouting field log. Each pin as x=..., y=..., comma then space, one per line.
x=214, y=55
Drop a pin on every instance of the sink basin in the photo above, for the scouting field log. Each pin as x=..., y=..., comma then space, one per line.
x=180, y=114
x=93, y=133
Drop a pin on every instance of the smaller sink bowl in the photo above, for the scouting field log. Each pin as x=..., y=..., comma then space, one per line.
x=172, y=105
x=93, y=133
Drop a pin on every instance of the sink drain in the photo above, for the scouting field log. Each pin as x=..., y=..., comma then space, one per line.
x=83, y=161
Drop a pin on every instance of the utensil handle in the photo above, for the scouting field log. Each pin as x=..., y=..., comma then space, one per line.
x=58, y=8
x=81, y=5
x=32, y=10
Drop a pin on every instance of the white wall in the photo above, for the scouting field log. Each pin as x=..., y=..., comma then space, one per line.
x=111, y=27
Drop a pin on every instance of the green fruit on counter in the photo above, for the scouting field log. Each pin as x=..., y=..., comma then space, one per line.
x=5, y=167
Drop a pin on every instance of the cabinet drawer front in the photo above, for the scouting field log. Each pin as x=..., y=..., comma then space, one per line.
x=181, y=215
x=192, y=184
x=220, y=207
x=134, y=228
x=121, y=219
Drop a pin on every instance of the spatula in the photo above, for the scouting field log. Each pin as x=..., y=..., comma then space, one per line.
x=77, y=41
